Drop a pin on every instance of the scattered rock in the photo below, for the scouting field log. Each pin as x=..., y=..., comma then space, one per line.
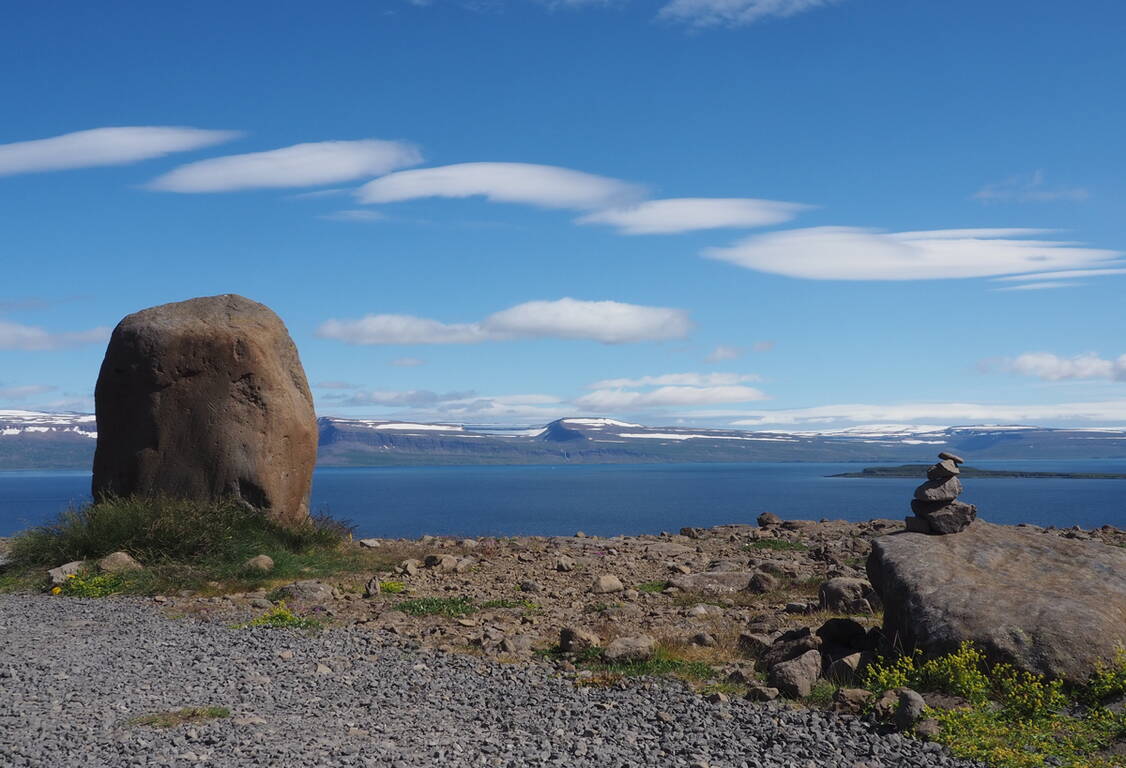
x=441, y=562
x=410, y=567
x=630, y=649
x=206, y=399
x=757, y=691
x=263, y=563
x=119, y=562
x=63, y=572
x=605, y=584
x=851, y=701
x=370, y=543
x=763, y=582
x=795, y=678
x=791, y=645
x=309, y=591
x=1046, y=604
x=768, y=520
x=909, y=709
x=372, y=588
x=564, y=564
x=845, y=595
x=577, y=639
x=928, y=729
x=530, y=586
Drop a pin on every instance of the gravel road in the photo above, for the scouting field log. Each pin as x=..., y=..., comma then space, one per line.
x=74, y=672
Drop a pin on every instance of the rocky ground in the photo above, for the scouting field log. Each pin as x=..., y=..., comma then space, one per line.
x=75, y=673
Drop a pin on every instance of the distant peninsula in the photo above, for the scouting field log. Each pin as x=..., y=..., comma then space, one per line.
x=920, y=470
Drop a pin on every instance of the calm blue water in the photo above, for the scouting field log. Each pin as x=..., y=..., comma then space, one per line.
x=613, y=499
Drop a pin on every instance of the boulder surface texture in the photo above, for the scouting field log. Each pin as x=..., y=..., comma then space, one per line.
x=206, y=399
x=1045, y=604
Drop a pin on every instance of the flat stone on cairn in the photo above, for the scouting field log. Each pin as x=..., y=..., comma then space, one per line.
x=936, y=507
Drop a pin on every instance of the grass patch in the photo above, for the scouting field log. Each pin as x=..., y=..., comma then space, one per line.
x=454, y=607
x=776, y=545
x=821, y=695
x=186, y=716
x=280, y=617
x=665, y=662
x=527, y=606
x=391, y=587
x=88, y=584
x=187, y=545
x=1015, y=719
x=653, y=586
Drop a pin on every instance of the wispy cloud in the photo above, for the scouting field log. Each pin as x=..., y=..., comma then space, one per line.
x=1065, y=275
x=104, y=146
x=724, y=352
x=1049, y=367
x=734, y=13
x=849, y=253
x=25, y=391
x=627, y=400
x=413, y=398
x=938, y=413
x=1045, y=286
x=609, y=322
x=679, y=379
x=30, y=337
x=354, y=215
x=407, y=362
x=335, y=385
x=687, y=214
x=545, y=186
x=1028, y=188
x=301, y=165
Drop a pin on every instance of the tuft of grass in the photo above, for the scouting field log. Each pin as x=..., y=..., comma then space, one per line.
x=776, y=545
x=821, y=695
x=665, y=662
x=653, y=586
x=185, y=716
x=280, y=617
x=528, y=606
x=186, y=545
x=453, y=607
x=391, y=587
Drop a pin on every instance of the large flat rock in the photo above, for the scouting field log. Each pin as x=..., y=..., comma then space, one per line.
x=1046, y=604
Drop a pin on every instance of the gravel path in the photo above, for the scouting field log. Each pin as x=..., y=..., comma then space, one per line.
x=73, y=672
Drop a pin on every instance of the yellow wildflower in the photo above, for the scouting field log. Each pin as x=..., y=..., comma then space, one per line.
x=72, y=575
x=57, y=591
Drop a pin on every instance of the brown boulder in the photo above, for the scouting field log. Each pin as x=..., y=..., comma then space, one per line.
x=1044, y=603
x=206, y=399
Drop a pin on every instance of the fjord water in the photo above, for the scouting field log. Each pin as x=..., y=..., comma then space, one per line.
x=640, y=498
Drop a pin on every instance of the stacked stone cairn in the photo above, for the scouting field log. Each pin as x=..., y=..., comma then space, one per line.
x=936, y=506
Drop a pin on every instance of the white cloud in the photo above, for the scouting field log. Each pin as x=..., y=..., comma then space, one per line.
x=849, y=253
x=397, y=398
x=1065, y=275
x=302, y=165
x=938, y=413
x=686, y=214
x=30, y=337
x=722, y=352
x=1049, y=367
x=353, y=215
x=711, y=13
x=25, y=391
x=407, y=362
x=609, y=322
x=104, y=146
x=1045, y=286
x=679, y=379
x=335, y=385
x=1028, y=188
x=541, y=185
x=605, y=400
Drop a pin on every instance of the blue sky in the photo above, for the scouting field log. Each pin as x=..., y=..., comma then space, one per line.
x=799, y=214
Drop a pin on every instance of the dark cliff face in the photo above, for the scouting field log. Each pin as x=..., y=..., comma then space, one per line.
x=559, y=432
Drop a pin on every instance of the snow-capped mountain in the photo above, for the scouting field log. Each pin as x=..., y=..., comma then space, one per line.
x=30, y=440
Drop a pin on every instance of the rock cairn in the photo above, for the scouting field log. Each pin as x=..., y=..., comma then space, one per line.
x=936, y=507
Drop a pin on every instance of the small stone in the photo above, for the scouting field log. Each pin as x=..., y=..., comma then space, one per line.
x=717, y=698
x=118, y=562
x=323, y=669
x=441, y=562
x=795, y=678
x=606, y=584
x=468, y=543
x=850, y=701
x=841, y=594
x=627, y=649
x=410, y=567
x=768, y=520
x=530, y=586
x=370, y=543
x=943, y=470
x=763, y=582
x=939, y=490
x=564, y=564
x=704, y=639
x=951, y=457
x=59, y=575
x=909, y=709
x=285, y=655
x=372, y=588
x=464, y=565
x=756, y=691
x=928, y=729
x=262, y=563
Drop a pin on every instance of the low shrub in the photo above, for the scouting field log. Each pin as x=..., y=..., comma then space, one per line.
x=653, y=586
x=88, y=584
x=280, y=617
x=391, y=587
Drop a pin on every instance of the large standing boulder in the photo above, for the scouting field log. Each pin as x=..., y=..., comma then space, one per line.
x=1046, y=604
x=206, y=399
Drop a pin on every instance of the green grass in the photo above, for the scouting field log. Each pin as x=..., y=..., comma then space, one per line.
x=653, y=586
x=821, y=695
x=527, y=606
x=86, y=583
x=185, y=716
x=664, y=663
x=453, y=607
x=1015, y=719
x=776, y=545
x=280, y=617
x=391, y=587
x=185, y=545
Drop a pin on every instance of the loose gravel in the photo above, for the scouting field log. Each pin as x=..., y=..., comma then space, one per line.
x=74, y=673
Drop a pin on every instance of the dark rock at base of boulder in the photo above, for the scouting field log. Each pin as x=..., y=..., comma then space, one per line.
x=206, y=399
x=917, y=524
x=939, y=490
x=789, y=646
x=945, y=517
x=845, y=632
x=1043, y=603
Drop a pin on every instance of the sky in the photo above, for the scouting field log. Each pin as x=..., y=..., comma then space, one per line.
x=763, y=214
